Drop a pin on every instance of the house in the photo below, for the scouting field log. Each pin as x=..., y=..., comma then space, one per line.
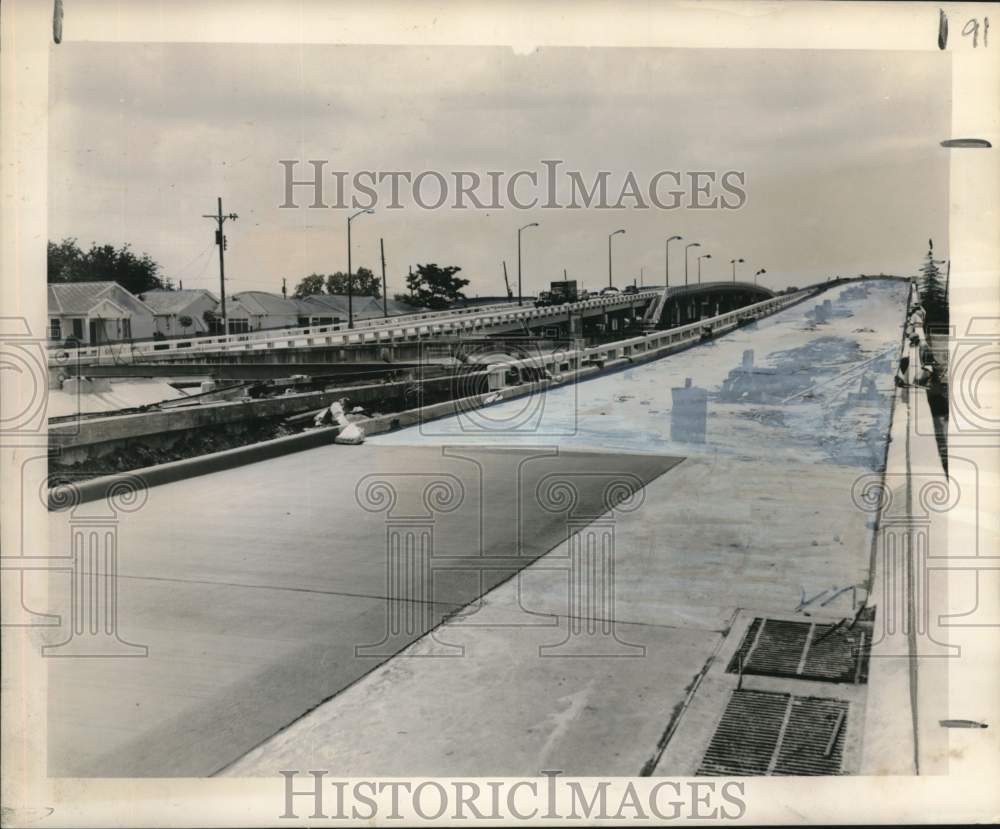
x=364, y=307
x=97, y=312
x=259, y=310
x=173, y=308
x=334, y=308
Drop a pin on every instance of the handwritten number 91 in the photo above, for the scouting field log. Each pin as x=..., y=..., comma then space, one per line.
x=972, y=27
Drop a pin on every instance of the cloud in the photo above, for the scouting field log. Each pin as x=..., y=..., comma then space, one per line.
x=144, y=137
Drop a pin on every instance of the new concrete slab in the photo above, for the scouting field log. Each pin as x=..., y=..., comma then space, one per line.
x=253, y=587
x=762, y=518
x=512, y=707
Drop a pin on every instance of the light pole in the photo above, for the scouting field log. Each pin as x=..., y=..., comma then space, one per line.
x=533, y=224
x=686, y=249
x=733, y=263
x=703, y=256
x=666, y=262
x=761, y=272
x=611, y=283
x=350, y=273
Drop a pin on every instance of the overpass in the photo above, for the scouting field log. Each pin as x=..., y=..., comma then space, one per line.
x=609, y=311
x=688, y=303
x=742, y=529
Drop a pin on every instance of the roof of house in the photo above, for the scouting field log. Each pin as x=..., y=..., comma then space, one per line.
x=364, y=306
x=331, y=302
x=262, y=302
x=174, y=302
x=80, y=297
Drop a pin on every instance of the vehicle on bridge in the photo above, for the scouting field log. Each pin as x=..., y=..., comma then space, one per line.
x=611, y=289
x=564, y=291
x=630, y=289
x=543, y=299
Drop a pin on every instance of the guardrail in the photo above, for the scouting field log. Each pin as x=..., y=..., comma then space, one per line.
x=572, y=360
x=394, y=329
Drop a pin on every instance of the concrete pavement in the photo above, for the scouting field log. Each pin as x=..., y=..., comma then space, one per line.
x=254, y=587
x=755, y=521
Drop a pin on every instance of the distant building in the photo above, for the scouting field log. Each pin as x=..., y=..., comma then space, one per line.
x=170, y=307
x=261, y=310
x=93, y=313
x=365, y=307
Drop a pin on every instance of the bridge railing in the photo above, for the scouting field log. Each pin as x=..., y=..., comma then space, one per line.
x=394, y=329
x=575, y=359
x=269, y=333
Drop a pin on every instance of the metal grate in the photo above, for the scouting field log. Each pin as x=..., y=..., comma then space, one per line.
x=814, y=739
x=767, y=733
x=747, y=736
x=805, y=650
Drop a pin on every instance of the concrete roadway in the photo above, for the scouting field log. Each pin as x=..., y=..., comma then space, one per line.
x=252, y=587
x=752, y=520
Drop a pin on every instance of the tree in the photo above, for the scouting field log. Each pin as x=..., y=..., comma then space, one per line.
x=185, y=322
x=310, y=285
x=435, y=287
x=933, y=294
x=365, y=283
x=211, y=320
x=67, y=262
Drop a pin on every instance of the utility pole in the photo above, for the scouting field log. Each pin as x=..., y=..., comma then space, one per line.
x=284, y=287
x=385, y=295
x=220, y=239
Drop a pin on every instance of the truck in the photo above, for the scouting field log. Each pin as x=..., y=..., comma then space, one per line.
x=563, y=291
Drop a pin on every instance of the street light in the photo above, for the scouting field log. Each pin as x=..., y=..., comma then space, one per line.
x=350, y=273
x=666, y=264
x=610, y=237
x=733, y=263
x=686, y=249
x=761, y=272
x=703, y=256
x=533, y=224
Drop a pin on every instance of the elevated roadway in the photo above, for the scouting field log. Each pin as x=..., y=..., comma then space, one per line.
x=682, y=304
x=488, y=321
x=254, y=612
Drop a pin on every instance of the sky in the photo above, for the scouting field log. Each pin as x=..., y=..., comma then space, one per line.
x=840, y=150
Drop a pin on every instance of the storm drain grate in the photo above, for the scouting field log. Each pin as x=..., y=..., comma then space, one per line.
x=805, y=650
x=768, y=733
